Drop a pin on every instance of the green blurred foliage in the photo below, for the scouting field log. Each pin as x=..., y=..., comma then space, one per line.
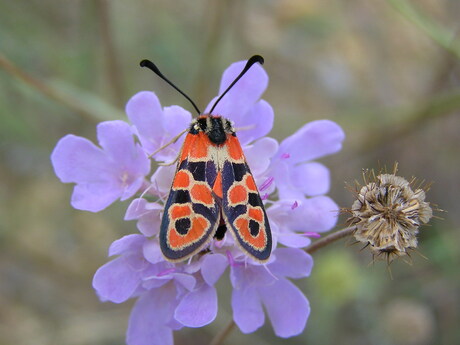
x=387, y=72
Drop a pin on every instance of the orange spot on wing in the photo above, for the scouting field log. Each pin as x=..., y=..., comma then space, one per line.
x=251, y=183
x=201, y=193
x=197, y=230
x=242, y=224
x=238, y=194
x=234, y=148
x=217, y=188
x=181, y=180
x=179, y=211
x=256, y=214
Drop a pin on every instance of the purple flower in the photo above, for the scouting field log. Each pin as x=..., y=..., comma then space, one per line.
x=175, y=295
x=256, y=286
x=102, y=175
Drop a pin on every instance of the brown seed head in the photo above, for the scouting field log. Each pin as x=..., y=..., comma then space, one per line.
x=388, y=213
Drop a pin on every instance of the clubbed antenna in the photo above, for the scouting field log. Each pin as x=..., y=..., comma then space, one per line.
x=150, y=65
x=251, y=61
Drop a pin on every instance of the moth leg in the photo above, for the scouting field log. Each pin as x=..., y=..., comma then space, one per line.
x=170, y=163
x=176, y=138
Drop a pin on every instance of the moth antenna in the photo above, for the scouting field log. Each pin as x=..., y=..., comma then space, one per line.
x=252, y=60
x=150, y=65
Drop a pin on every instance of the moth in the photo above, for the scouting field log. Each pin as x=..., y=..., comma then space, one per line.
x=213, y=190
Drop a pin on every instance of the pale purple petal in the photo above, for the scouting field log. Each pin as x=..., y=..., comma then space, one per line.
x=94, y=196
x=256, y=123
x=152, y=311
x=136, y=209
x=292, y=263
x=287, y=308
x=314, y=140
x=247, y=309
x=316, y=214
x=176, y=120
x=212, y=267
x=116, y=139
x=152, y=252
x=132, y=242
x=259, y=154
x=293, y=240
x=145, y=112
x=76, y=159
x=311, y=178
x=244, y=94
x=117, y=280
x=185, y=280
x=101, y=176
x=197, y=308
x=162, y=180
x=148, y=215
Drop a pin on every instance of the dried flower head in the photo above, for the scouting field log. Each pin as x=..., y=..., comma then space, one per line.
x=388, y=213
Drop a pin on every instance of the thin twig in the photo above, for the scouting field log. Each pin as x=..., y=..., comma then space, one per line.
x=47, y=90
x=220, y=337
x=329, y=239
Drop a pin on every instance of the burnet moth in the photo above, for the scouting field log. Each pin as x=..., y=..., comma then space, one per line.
x=213, y=189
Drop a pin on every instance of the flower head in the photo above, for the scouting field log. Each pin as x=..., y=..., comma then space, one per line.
x=387, y=214
x=182, y=294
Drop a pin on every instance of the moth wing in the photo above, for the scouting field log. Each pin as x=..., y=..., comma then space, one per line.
x=242, y=207
x=191, y=214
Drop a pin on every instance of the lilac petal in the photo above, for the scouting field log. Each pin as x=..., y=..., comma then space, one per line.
x=287, y=308
x=245, y=93
x=292, y=263
x=197, y=308
x=116, y=281
x=150, y=314
x=311, y=178
x=293, y=240
x=316, y=214
x=212, y=267
x=185, y=280
x=94, y=197
x=176, y=120
x=148, y=213
x=247, y=309
x=259, y=154
x=152, y=252
x=131, y=242
x=145, y=112
x=257, y=122
x=162, y=180
x=242, y=275
x=76, y=159
x=136, y=209
x=314, y=140
x=116, y=138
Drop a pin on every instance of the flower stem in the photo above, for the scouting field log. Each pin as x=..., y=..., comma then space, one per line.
x=220, y=337
x=50, y=91
x=329, y=239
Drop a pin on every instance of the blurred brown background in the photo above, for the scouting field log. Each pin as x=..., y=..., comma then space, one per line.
x=387, y=71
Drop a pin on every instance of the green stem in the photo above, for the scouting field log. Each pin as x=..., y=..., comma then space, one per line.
x=220, y=337
x=439, y=34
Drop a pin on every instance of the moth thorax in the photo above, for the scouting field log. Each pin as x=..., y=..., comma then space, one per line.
x=215, y=127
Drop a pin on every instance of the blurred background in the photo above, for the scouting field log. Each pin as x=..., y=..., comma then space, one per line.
x=387, y=71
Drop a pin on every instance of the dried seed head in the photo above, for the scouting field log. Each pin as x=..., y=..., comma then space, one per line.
x=388, y=213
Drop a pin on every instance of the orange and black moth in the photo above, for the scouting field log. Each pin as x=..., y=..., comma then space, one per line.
x=213, y=191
